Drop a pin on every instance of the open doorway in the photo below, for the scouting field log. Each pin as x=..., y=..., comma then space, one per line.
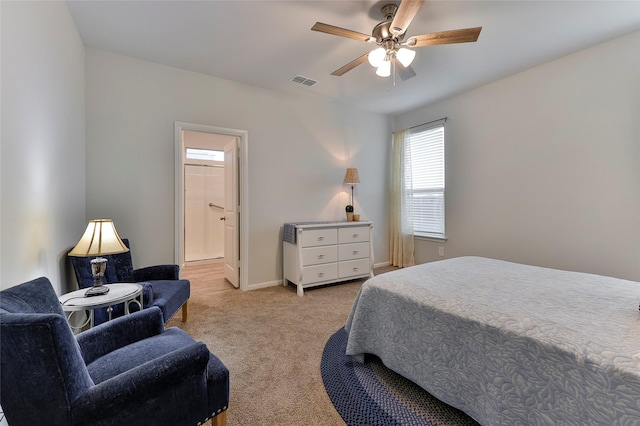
x=204, y=201
x=210, y=175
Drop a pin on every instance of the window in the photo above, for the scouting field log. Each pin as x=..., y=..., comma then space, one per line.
x=204, y=154
x=425, y=179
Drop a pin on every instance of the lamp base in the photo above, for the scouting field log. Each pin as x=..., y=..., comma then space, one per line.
x=96, y=291
x=98, y=267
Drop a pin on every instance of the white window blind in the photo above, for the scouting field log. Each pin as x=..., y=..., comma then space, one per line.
x=426, y=185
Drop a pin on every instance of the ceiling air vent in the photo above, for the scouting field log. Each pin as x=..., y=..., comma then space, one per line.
x=303, y=80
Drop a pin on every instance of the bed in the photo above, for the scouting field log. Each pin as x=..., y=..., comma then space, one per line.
x=506, y=343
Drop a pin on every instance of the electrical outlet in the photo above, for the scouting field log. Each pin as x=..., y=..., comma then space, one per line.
x=441, y=251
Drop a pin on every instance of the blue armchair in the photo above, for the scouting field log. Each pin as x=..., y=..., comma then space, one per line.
x=161, y=284
x=123, y=372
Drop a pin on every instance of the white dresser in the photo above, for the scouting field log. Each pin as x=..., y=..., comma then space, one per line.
x=317, y=253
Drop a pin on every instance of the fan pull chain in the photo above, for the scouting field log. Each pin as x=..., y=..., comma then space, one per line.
x=393, y=75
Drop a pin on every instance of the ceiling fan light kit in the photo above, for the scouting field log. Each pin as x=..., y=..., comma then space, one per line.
x=388, y=35
x=384, y=69
x=376, y=56
x=405, y=56
x=381, y=58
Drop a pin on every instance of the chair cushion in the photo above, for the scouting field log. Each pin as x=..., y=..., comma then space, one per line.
x=130, y=356
x=170, y=295
x=119, y=267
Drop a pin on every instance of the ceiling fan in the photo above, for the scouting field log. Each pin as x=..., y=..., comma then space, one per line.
x=388, y=35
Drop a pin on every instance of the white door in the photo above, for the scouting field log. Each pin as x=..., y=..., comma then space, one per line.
x=231, y=214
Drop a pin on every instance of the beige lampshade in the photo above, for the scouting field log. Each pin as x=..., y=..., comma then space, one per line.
x=100, y=238
x=351, y=177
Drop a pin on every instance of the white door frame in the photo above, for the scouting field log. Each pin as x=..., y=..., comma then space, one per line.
x=242, y=187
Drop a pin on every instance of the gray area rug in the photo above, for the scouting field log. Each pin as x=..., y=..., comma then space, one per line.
x=370, y=394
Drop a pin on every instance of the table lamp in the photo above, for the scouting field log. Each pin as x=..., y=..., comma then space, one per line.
x=100, y=238
x=351, y=178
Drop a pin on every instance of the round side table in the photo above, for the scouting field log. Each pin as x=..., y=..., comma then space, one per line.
x=76, y=301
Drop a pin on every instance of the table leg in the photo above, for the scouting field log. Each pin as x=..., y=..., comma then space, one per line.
x=127, y=310
x=73, y=321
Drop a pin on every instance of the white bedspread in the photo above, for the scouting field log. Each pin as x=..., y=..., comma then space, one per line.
x=508, y=344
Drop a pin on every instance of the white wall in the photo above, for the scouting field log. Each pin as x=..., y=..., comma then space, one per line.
x=43, y=146
x=297, y=156
x=543, y=167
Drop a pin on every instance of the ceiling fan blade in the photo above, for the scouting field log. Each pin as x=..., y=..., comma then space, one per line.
x=404, y=15
x=444, y=37
x=351, y=65
x=405, y=73
x=341, y=32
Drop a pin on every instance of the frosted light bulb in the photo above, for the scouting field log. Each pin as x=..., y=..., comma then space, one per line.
x=384, y=70
x=376, y=56
x=405, y=56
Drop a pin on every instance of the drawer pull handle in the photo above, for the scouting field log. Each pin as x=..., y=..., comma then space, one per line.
x=356, y=252
x=355, y=235
x=320, y=238
x=356, y=269
x=321, y=256
x=320, y=274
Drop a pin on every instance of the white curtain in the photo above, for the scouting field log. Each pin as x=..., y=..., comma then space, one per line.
x=401, y=202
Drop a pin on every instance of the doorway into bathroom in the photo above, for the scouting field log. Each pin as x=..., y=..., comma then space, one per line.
x=208, y=199
x=204, y=196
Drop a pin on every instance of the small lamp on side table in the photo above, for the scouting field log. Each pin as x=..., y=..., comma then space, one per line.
x=100, y=238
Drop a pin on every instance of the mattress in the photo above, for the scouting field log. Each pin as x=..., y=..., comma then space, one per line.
x=508, y=344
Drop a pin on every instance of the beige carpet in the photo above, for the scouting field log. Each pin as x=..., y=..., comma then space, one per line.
x=272, y=341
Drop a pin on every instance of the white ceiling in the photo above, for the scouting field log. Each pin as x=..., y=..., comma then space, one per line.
x=265, y=43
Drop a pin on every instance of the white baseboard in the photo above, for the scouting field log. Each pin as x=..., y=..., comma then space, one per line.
x=264, y=285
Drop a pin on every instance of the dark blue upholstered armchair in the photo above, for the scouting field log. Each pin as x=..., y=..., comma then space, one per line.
x=124, y=372
x=161, y=284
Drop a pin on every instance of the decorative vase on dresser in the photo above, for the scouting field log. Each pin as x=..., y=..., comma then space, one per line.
x=318, y=253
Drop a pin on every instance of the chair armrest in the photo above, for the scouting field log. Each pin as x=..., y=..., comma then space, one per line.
x=147, y=293
x=158, y=272
x=134, y=388
x=120, y=332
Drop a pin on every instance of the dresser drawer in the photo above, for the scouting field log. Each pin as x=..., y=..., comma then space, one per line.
x=353, y=268
x=317, y=255
x=319, y=237
x=353, y=251
x=353, y=234
x=317, y=273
